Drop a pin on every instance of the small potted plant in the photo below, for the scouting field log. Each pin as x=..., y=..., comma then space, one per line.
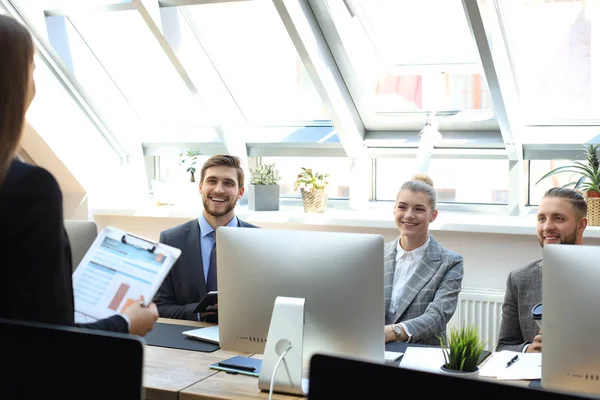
x=588, y=180
x=189, y=159
x=263, y=192
x=312, y=186
x=462, y=351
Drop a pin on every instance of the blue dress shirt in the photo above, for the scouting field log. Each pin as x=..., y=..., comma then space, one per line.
x=207, y=240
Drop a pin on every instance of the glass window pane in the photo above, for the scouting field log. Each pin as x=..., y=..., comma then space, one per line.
x=173, y=171
x=455, y=180
x=421, y=32
x=76, y=56
x=69, y=133
x=289, y=168
x=452, y=93
x=428, y=55
x=537, y=169
x=141, y=69
x=258, y=62
x=553, y=52
x=295, y=134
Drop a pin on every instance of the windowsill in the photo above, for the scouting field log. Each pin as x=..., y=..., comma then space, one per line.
x=378, y=215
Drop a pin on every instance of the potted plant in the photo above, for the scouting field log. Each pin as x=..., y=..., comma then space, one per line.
x=587, y=173
x=189, y=159
x=462, y=351
x=263, y=192
x=588, y=180
x=312, y=186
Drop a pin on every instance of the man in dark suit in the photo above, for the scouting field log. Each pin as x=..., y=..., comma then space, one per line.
x=561, y=219
x=192, y=276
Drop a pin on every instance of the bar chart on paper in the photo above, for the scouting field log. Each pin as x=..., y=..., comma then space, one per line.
x=116, y=271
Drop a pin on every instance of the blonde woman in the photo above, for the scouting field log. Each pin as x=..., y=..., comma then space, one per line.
x=422, y=278
x=36, y=265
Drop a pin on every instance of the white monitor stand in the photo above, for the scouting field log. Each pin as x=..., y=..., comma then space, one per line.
x=283, y=350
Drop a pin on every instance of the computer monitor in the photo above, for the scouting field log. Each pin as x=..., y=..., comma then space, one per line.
x=339, y=274
x=51, y=361
x=571, y=320
x=341, y=378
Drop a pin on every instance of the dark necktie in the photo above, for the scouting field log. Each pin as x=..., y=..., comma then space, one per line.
x=211, y=278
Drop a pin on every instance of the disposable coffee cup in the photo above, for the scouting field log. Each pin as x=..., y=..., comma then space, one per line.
x=536, y=313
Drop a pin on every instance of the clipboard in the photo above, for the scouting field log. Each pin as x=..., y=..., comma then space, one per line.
x=116, y=270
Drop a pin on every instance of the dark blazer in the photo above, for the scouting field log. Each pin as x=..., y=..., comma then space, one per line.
x=184, y=286
x=35, y=266
x=523, y=292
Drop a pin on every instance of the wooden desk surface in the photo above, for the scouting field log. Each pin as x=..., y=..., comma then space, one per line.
x=223, y=385
x=184, y=374
x=168, y=371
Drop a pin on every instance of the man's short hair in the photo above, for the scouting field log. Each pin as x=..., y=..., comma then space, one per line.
x=224, y=160
x=573, y=196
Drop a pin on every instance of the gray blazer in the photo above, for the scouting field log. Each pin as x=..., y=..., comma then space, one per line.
x=184, y=286
x=523, y=291
x=430, y=296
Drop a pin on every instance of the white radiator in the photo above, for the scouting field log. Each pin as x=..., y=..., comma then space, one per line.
x=481, y=308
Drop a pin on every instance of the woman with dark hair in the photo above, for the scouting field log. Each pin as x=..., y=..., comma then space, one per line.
x=35, y=271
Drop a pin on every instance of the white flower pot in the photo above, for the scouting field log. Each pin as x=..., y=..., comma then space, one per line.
x=465, y=374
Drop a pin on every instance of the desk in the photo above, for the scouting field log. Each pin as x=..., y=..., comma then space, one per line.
x=171, y=374
x=222, y=384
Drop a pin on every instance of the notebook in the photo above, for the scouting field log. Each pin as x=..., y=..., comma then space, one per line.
x=208, y=334
x=239, y=365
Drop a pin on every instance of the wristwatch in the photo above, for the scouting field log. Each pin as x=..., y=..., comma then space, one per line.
x=397, y=328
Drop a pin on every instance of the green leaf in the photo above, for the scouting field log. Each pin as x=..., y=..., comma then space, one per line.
x=264, y=174
x=587, y=173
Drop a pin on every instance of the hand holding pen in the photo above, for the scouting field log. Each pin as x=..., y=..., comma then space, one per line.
x=512, y=361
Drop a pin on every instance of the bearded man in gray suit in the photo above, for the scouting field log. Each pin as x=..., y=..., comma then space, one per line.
x=560, y=220
x=422, y=279
x=221, y=186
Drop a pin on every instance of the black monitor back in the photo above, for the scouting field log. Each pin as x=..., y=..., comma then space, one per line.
x=49, y=361
x=333, y=377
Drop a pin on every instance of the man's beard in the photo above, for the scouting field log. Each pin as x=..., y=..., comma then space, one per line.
x=216, y=214
x=571, y=239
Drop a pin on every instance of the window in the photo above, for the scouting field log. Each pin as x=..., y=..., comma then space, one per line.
x=537, y=169
x=289, y=168
x=455, y=180
x=409, y=58
x=258, y=62
x=552, y=49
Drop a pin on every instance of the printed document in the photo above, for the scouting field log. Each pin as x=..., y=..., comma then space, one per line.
x=116, y=270
x=428, y=359
x=528, y=366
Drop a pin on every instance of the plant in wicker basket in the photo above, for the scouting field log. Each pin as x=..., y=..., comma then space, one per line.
x=587, y=173
x=587, y=176
x=312, y=186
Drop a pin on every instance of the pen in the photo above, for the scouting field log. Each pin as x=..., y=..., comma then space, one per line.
x=512, y=361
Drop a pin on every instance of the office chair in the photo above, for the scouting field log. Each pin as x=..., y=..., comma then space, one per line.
x=50, y=361
x=81, y=235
